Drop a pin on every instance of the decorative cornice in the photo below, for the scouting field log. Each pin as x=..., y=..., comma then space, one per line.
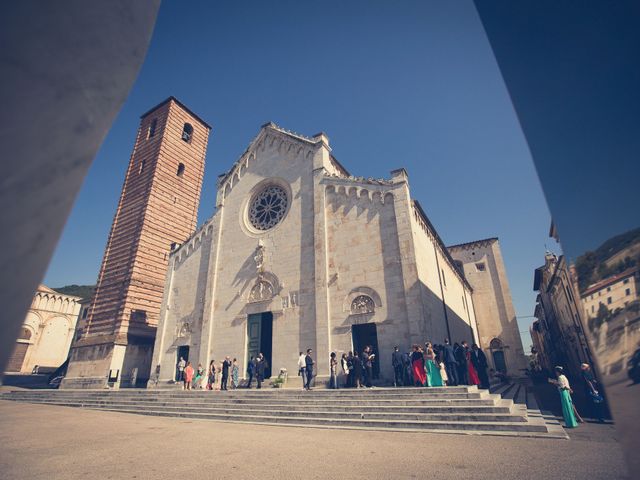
x=485, y=242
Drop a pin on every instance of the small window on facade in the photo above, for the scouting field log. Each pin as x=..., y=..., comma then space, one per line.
x=608, y=289
x=593, y=309
x=608, y=300
x=142, y=166
x=626, y=280
x=444, y=279
x=480, y=267
x=152, y=128
x=627, y=291
x=85, y=313
x=180, y=171
x=187, y=132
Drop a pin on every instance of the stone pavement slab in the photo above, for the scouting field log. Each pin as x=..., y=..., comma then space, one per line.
x=51, y=442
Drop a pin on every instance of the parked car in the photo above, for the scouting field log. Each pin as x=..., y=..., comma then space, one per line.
x=633, y=367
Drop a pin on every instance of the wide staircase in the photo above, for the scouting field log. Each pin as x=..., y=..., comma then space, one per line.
x=465, y=410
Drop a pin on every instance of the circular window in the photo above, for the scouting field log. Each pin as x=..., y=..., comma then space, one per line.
x=268, y=207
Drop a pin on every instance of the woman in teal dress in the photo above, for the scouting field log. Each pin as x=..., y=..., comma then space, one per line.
x=565, y=397
x=433, y=372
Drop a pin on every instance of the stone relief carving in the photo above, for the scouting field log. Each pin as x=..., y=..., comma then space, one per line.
x=362, y=304
x=261, y=291
x=183, y=329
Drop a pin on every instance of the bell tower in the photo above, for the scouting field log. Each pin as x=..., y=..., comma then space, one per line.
x=158, y=209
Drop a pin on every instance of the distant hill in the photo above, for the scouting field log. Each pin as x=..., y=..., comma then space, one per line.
x=83, y=291
x=592, y=266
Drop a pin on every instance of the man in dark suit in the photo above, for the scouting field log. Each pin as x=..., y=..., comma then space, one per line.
x=479, y=360
x=309, y=363
x=225, y=372
x=261, y=364
x=250, y=371
x=396, y=362
x=461, y=357
x=450, y=363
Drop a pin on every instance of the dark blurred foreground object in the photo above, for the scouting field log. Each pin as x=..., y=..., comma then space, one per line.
x=66, y=68
x=572, y=71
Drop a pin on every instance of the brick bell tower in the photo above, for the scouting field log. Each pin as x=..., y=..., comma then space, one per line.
x=158, y=208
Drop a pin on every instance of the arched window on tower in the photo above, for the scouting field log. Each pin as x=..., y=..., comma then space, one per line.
x=152, y=128
x=180, y=171
x=187, y=132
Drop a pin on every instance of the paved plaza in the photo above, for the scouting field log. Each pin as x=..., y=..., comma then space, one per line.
x=51, y=442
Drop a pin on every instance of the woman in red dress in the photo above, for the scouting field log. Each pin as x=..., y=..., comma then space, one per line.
x=417, y=366
x=473, y=375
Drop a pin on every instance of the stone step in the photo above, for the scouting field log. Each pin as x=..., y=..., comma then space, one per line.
x=323, y=414
x=499, y=408
x=424, y=425
x=305, y=402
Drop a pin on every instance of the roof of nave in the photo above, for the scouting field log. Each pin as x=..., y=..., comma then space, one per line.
x=44, y=288
x=484, y=241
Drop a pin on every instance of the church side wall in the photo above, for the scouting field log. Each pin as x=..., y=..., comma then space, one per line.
x=485, y=271
x=437, y=279
x=182, y=307
x=364, y=259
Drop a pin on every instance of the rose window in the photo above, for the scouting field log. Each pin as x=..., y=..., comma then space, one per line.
x=268, y=208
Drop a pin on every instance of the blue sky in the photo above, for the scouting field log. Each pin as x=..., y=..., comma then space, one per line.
x=393, y=84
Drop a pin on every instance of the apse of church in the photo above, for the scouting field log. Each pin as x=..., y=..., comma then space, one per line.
x=300, y=254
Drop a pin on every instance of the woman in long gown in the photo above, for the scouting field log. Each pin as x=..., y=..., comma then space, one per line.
x=473, y=375
x=564, y=388
x=433, y=372
x=417, y=366
x=235, y=374
x=211, y=380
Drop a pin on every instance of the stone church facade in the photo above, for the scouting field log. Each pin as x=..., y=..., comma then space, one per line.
x=300, y=254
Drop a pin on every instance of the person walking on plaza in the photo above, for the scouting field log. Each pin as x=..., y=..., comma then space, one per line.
x=251, y=369
x=450, y=362
x=433, y=371
x=181, y=366
x=396, y=363
x=333, y=371
x=302, y=370
x=188, y=376
x=593, y=391
x=235, y=374
x=261, y=365
x=308, y=365
x=479, y=360
x=564, y=388
x=211, y=375
x=417, y=367
x=225, y=372
x=471, y=371
x=344, y=364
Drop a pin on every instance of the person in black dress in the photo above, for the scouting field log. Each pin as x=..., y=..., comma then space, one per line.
x=225, y=372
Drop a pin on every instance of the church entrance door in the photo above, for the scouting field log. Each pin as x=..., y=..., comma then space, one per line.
x=498, y=361
x=259, y=338
x=363, y=335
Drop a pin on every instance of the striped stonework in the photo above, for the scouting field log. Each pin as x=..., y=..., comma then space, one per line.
x=157, y=209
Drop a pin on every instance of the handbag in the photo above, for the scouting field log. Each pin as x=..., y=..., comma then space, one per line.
x=596, y=397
